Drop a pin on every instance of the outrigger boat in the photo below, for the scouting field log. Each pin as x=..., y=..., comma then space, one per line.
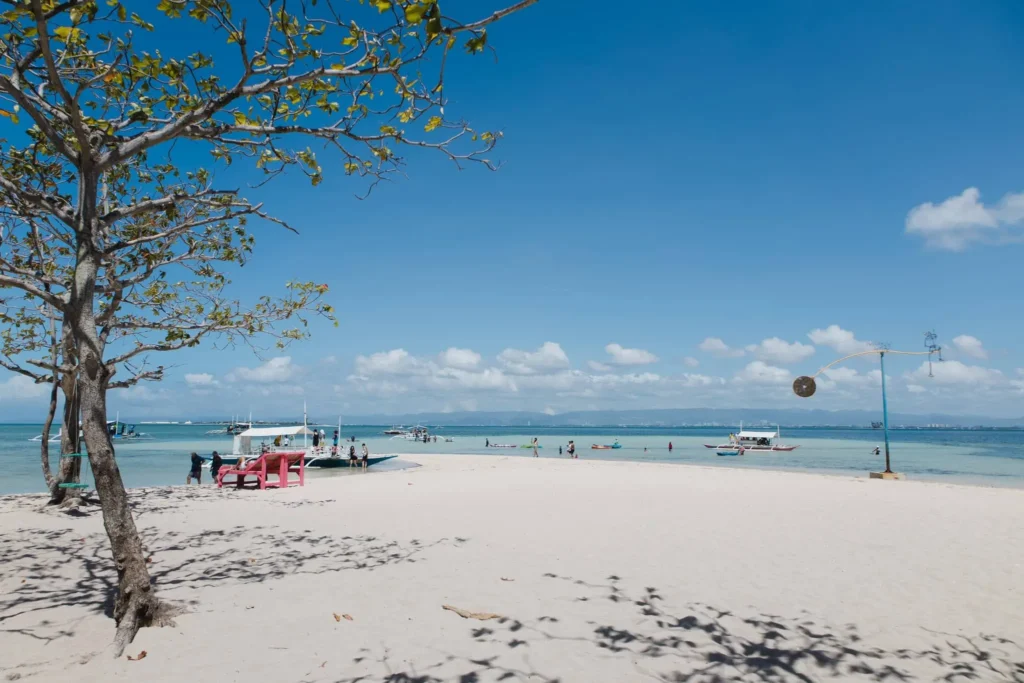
x=746, y=441
x=606, y=447
x=258, y=440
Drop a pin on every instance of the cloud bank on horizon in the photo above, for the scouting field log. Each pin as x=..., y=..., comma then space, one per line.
x=735, y=373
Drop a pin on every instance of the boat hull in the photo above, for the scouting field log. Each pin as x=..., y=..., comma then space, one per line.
x=326, y=462
x=331, y=463
x=730, y=451
x=754, y=449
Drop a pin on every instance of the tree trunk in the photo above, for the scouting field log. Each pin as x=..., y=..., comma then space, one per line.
x=70, y=442
x=44, y=445
x=70, y=469
x=136, y=605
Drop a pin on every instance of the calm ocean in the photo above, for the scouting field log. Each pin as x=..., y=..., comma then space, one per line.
x=990, y=458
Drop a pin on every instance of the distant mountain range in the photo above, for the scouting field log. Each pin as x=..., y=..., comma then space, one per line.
x=683, y=416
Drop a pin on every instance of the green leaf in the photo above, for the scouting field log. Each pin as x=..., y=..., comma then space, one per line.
x=433, y=124
x=351, y=41
x=477, y=43
x=66, y=34
x=414, y=13
x=382, y=5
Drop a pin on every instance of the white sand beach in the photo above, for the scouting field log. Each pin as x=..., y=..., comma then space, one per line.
x=598, y=571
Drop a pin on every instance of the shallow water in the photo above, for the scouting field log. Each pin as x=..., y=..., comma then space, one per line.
x=993, y=458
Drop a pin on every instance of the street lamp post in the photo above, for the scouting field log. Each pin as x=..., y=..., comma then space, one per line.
x=805, y=386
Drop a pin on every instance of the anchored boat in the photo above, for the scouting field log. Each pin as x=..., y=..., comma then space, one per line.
x=748, y=441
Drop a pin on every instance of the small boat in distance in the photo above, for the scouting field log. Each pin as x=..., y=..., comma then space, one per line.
x=606, y=447
x=753, y=442
x=876, y=425
x=394, y=431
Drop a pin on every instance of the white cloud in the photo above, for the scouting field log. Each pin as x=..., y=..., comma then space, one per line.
x=393, y=362
x=275, y=370
x=962, y=219
x=633, y=378
x=775, y=350
x=624, y=356
x=848, y=377
x=717, y=347
x=691, y=380
x=550, y=411
x=916, y=389
x=200, y=379
x=970, y=346
x=839, y=339
x=759, y=372
x=549, y=356
x=598, y=367
x=465, y=359
x=691, y=362
x=20, y=388
x=953, y=372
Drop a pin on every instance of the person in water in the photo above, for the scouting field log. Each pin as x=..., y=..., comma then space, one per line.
x=487, y=443
x=366, y=456
x=316, y=440
x=215, y=463
x=559, y=450
x=669, y=446
x=196, y=470
x=352, y=456
x=535, y=447
x=877, y=451
x=334, y=448
x=572, y=449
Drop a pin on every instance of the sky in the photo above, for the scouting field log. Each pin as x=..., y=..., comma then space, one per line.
x=695, y=206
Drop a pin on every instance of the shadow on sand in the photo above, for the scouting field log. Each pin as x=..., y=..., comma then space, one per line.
x=57, y=568
x=698, y=644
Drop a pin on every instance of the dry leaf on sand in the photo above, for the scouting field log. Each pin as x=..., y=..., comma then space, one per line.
x=142, y=655
x=337, y=617
x=347, y=616
x=466, y=614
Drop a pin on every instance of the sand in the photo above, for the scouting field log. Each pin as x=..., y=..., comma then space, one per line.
x=597, y=571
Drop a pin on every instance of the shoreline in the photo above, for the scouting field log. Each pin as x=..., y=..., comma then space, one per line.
x=409, y=463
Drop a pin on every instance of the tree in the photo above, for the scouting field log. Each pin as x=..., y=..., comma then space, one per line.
x=127, y=246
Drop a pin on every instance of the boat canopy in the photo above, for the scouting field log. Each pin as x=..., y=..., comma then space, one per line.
x=758, y=435
x=243, y=441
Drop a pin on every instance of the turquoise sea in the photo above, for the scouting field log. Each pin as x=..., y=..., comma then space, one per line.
x=989, y=458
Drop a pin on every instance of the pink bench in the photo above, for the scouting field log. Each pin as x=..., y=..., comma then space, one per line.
x=279, y=462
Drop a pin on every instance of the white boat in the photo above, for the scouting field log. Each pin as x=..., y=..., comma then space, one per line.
x=115, y=429
x=395, y=431
x=258, y=440
x=751, y=441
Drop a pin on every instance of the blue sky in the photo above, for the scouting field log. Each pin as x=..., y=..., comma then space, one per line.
x=737, y=171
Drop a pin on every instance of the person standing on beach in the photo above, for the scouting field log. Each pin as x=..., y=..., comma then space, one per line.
x=316, y=440
x=196, y=470
x=351, y=456
x=215, y=463
x=535, y=447
x=366, y=456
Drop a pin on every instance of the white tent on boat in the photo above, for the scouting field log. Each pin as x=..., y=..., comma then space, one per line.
x=244, y=441
x=746, y=434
